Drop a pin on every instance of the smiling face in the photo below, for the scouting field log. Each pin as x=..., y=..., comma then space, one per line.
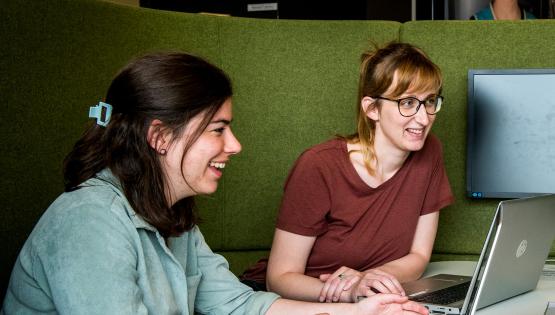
x=199, y=170
x=395, y=133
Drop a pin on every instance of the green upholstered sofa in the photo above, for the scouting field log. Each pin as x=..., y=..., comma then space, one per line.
x=295, y=85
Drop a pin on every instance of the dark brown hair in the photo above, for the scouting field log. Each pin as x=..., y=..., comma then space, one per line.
x=171, y=87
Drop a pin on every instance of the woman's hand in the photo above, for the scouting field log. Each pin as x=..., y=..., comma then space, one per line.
x=357, y=284
x=379, y=281
x=389, y=304
x=336, y=283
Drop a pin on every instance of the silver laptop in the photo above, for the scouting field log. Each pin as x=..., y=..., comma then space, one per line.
x=511, y=261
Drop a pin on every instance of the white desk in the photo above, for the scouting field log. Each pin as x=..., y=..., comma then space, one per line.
x=531, y=303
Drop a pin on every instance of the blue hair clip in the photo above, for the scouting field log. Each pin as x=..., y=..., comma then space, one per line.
x=102, y=112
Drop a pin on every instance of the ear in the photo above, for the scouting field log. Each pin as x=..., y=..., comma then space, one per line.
x=157, y=137
x=369, y=107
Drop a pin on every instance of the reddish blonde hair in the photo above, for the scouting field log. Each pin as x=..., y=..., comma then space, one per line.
x=412, y=70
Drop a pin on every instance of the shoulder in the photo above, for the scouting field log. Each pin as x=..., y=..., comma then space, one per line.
x=89, y=214
x=432, y=145
x=321, y=157
x=94, y=200
x=329, y=148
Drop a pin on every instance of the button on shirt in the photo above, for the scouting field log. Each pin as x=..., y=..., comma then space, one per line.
x=90, y=253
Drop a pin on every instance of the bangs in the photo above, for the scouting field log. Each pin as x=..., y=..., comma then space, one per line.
x=416, y=76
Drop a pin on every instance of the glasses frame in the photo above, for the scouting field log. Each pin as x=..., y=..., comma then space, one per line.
x=420, y=103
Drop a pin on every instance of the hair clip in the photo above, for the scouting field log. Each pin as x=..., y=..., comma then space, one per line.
x=102, y=112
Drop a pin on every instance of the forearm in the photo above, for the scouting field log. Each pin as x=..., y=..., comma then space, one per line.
x=407, y=268
x=283, y=306
x=411, y=266
x=292, y=285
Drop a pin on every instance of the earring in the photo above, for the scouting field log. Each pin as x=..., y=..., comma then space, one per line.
x=163, y=152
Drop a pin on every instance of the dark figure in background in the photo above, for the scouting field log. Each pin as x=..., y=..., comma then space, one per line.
x=503, y=10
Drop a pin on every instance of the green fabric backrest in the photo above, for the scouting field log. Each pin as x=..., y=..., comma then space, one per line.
x=457, y=46
x=57, y=59
x=295, y=86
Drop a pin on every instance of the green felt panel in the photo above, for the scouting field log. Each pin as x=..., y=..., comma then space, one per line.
x=295, y=86
x=450, y=257
x=239, y=261
x=457, y=46
x=57, y=59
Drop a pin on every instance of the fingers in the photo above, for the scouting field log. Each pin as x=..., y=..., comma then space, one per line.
x=414, y=307
x=331, y=292
x=346, y=283
x=350, y=281
x=328, y=289
x=362, y=291
x=342, y=279
x=385, y=303
x=383, y=282
x=386, y=298
x=325, y=276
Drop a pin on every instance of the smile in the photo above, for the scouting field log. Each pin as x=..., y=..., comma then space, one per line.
x=219, y=165
x=415, y=131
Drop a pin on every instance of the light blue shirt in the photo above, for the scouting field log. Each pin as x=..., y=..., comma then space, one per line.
x=90, y=253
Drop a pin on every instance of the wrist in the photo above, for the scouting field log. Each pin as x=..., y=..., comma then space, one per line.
x=346, y=297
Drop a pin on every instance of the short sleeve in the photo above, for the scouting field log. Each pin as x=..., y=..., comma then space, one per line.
x=438, y=194
x=306, y=199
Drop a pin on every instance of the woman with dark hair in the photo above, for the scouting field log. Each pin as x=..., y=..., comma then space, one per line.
x=122, y=239
x=373, y=196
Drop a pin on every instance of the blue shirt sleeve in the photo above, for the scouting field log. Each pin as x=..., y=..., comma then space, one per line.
x=219, y=290
x=78, y=260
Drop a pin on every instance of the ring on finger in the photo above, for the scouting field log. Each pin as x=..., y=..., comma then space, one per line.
x=341, y=276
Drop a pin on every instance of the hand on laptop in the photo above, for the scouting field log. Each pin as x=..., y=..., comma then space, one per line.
x=381, y=282
x=389, y=304
x=346, y=284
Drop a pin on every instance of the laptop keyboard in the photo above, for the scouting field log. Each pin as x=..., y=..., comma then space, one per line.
x=445, y=296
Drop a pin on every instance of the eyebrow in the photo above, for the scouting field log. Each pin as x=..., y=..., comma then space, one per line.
x=414, y=96
x=223, y=121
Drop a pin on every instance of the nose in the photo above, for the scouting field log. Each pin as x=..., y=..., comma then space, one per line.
x=232, y=145
x=422, y=117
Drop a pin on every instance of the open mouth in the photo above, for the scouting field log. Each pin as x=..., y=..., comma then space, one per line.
x=415, y=131
x=218, y=165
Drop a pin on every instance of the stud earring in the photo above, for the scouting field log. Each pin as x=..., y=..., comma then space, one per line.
x=163, y=152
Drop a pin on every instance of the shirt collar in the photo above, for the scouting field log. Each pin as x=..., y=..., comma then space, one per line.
x=108, y=177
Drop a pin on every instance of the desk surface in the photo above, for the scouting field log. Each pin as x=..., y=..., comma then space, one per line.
x=530, y=303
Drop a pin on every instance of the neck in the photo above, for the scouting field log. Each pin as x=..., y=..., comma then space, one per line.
x=385, y=167
x=389, y=160
x=506, y=10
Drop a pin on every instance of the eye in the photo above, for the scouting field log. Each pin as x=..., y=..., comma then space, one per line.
x=219, y=130
x=408, y=102
x=431, y=102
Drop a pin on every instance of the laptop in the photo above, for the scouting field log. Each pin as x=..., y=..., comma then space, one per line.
x=510, y=264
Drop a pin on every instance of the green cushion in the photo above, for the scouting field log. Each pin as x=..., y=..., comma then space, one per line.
x=295, y=85
x=457, y=46
x=293, y=89
x=57, y=59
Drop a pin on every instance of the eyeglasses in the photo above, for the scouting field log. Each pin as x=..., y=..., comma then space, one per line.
x=409, y=106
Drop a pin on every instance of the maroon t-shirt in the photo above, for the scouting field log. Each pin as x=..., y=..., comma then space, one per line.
x=356, y=225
